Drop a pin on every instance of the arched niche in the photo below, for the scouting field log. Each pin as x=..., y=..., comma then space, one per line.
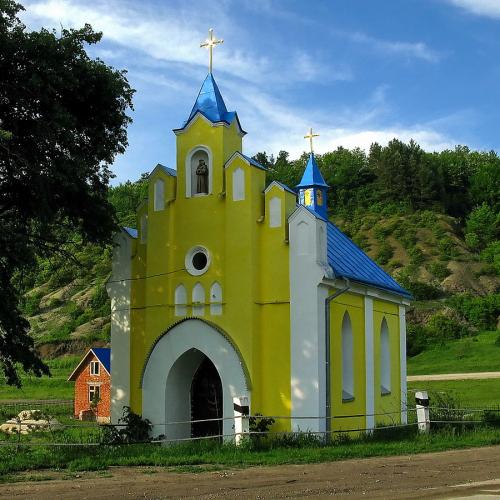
x=180, y=299
x=159, y=195
x=347, y=359
x=385, y=359
x=198, y=297
x=215, y=299
x=196, y=158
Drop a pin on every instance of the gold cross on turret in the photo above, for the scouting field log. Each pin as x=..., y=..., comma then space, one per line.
x=210, y=43
x=310, y=137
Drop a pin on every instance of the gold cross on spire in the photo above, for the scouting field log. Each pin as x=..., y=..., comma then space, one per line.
x=310, y=137
x=210, y=43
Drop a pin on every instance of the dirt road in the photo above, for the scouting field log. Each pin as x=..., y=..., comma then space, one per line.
x=453, y=376
x=455, y=474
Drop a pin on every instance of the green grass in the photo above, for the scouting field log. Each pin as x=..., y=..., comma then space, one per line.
x=54, y=387
x=476, y=354
x=187, y=456
x=468, y=393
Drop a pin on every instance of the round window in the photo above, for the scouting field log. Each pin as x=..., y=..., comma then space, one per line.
x=197, y=260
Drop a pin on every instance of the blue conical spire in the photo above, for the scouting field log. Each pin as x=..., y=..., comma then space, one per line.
x=210, y=101
x=312, y=175
x=312, y=189
x=211, y=105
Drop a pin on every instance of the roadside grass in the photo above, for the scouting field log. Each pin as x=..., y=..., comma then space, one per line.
x=209, y=455
x=467, y=393
x=480, y=353
x=54, y=387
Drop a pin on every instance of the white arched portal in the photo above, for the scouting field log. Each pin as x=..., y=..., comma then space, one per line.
x=169, y=372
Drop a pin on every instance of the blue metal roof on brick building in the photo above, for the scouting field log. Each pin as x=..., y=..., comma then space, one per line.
x=103, y=354
x=211, y=104
x=349, y=261
x=312, y=175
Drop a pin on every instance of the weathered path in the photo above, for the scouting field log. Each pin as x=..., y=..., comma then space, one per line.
x=453, y=474
x=453, y=376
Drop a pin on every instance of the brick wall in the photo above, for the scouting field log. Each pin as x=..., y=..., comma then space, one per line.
x=83, y=380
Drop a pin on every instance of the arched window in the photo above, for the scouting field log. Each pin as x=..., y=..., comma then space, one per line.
x=198, y=300
x=347, y=359
x=238, y=185
x=144, y=228
x=180, y=300
x=159, y=198
x=216, y=299
x=198, y=173
x=385, y=359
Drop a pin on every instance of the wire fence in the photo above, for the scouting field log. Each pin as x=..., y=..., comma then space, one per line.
x=57, y=425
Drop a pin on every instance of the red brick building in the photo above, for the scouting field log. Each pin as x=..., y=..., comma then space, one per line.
x=92, y=379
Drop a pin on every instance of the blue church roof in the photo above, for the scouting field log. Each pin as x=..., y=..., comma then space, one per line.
x=349, y=261
x=103, y=354
x=312, y=175
x=167, y=170
x=211, y=104
x=131, y=231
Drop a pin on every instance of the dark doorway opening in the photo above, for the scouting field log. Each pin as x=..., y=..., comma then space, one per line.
x=206, y=401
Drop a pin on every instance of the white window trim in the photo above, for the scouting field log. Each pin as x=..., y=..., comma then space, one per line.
x=92, y=388
x=385, y=358
x=95, y=364
x=347, y=369
x=188, y=261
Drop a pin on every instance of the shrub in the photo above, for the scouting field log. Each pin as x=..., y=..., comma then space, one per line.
x=418, y=339
x=417, y=257
x=31, y=304
x=384, y=254
x=419, y=289
x=444, y=328
x=439, y=270
x=447, y=248
x=491, y=255
x=135, y=430
x=482, y=227
x=481, y=312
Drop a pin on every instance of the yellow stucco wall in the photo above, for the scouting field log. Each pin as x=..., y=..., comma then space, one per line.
x=352, y=304
x=389, y=403
x=248, y=259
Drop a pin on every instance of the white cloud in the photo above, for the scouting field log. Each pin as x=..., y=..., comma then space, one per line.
x=487, y=8
x=273, y=126
x=168, y=34
x=418, y=50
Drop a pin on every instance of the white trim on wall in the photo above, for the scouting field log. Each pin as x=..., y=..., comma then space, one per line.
x=118, y=288
x=369, y=364
x=402, y=360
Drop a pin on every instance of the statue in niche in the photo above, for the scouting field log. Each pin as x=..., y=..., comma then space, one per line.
x=202, y=178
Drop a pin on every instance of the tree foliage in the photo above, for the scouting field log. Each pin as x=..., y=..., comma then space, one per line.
x=63, y=119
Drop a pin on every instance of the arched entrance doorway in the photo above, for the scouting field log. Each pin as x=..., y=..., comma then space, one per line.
x=185, y=361
x=206, y=401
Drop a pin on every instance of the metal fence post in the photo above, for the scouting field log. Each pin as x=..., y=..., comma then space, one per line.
x=241, y=418
x=422, y=405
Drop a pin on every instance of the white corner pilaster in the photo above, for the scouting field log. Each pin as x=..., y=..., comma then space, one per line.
x=369, y=364
x=402, y=359
x=308, y=266
x=119, y=287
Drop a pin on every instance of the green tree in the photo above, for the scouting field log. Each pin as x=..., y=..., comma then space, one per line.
x=482, y=227
x=63, y=118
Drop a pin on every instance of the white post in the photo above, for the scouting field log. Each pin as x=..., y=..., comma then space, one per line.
x=422, y=404
x=241, y=418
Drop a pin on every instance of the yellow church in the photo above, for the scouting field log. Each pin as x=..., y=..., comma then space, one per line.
x=232, y=288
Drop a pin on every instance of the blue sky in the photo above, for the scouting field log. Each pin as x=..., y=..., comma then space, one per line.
x=357, y=71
